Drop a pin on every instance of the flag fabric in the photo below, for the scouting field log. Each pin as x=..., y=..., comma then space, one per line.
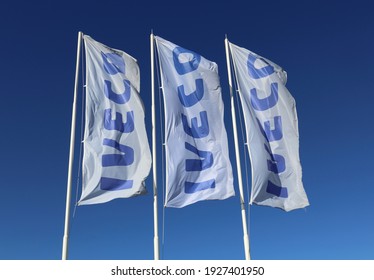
x=272, y=131
x=197, y=159
x=116, y=157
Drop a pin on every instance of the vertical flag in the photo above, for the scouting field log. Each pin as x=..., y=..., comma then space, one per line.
x=272, y=131
x=197, y=160
x=116, y=157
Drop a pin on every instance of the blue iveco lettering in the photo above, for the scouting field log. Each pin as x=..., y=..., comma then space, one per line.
x=114, y=64
x=190, y=126
x=276, y=164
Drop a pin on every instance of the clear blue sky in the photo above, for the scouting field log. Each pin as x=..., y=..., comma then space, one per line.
x=325, y=46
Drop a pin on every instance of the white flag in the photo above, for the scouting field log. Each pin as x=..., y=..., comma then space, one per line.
x=116, y=157
x=197, y=159
x=272, y=131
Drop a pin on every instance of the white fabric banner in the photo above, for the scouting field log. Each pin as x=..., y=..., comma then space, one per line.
x=197, y=159
x=272, y=131
x=116, y=157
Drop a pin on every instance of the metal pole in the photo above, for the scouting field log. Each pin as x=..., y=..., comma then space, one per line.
x=71, y=154
x=237, y=154
x=155, y=208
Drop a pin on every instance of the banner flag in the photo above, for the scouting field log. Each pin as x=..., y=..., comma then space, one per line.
x=197, y=159
x=272, y=131
x=116, y=157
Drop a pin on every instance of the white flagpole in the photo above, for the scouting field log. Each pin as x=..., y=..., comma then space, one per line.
x=237, y=154
x=155, y=208
x=71, y=155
